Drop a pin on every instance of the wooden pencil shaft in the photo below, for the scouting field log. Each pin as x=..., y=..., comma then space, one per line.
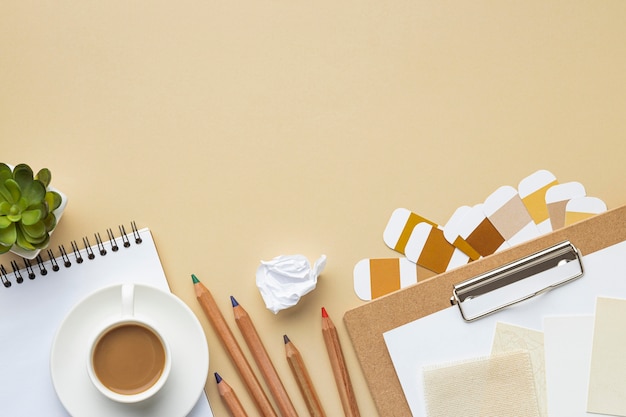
x=300, y=373
x=234, y=350
x=340, y=375
x=230, y=398
x=340, y=371
x=263, y=361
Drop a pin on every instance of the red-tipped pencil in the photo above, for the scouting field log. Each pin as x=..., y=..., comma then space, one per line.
x=294, y=358
x=216, y=318
x=338, y=364
x=230, y=398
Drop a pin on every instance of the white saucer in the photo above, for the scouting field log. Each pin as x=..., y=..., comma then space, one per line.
x=190, y=354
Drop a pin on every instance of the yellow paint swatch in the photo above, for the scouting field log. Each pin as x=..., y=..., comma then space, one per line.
x=399, y=228
x=532, y=190
x=581, y=208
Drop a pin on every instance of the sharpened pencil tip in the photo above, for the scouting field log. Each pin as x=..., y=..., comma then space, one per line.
x=195, y=279
x=218, y=378
x=285, y=339
x=233, y=301
x=324, y=313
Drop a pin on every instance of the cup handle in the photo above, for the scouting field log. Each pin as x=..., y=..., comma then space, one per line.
x=128, y=300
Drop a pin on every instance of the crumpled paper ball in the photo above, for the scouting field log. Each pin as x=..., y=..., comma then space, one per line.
x=283, y=280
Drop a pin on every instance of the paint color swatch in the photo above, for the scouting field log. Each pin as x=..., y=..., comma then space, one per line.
x=557, y=198
x=399, y=228
x=428, y=248
x=581, y=208
x=505, y=209
x=451, y=231
x=507, y=217
x=374, y=278
x=532, y=191
x=480, y=233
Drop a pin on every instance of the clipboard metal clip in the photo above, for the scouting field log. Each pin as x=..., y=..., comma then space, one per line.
x=517, y=281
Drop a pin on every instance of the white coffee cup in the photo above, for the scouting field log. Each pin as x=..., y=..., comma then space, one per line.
x=129, y=360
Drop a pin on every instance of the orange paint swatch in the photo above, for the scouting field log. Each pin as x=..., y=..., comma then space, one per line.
x=428, y=247
x=374, y=278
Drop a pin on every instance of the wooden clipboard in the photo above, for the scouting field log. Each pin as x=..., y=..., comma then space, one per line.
x=366, y=324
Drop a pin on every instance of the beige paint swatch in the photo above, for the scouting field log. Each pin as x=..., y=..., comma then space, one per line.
x=505, y=209
x=557, y=198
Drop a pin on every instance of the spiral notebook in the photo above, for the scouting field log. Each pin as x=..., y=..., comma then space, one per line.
x=36, y=296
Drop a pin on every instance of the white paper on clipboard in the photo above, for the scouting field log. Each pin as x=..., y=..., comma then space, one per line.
x=444, y=336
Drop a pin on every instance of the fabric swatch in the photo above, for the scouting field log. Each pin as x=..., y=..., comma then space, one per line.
x=607, y=383
x=497, y=386
x=508, y=338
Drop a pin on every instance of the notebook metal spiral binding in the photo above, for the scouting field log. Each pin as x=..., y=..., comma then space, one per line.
x=65, y=258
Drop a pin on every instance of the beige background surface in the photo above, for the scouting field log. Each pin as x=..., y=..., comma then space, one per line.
x=241, y=131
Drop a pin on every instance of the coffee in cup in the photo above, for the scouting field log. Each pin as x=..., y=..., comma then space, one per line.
x=129, y=360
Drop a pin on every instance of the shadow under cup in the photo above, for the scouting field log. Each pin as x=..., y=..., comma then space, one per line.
x=129, y=361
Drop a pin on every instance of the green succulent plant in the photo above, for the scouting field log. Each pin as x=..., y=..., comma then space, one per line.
x=26, y=207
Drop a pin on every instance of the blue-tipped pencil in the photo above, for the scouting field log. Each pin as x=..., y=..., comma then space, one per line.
x=230, y=398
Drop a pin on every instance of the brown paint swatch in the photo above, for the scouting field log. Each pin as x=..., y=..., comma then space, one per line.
x=485, y=238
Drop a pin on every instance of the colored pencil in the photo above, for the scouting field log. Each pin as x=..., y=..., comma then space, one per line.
x=230, y=398
x=262, y=359
x=338, y=364
x=294, y=358
x=229, y=342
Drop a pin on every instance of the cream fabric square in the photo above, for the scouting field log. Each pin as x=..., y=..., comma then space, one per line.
x=607, y=382
x=501, y=385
